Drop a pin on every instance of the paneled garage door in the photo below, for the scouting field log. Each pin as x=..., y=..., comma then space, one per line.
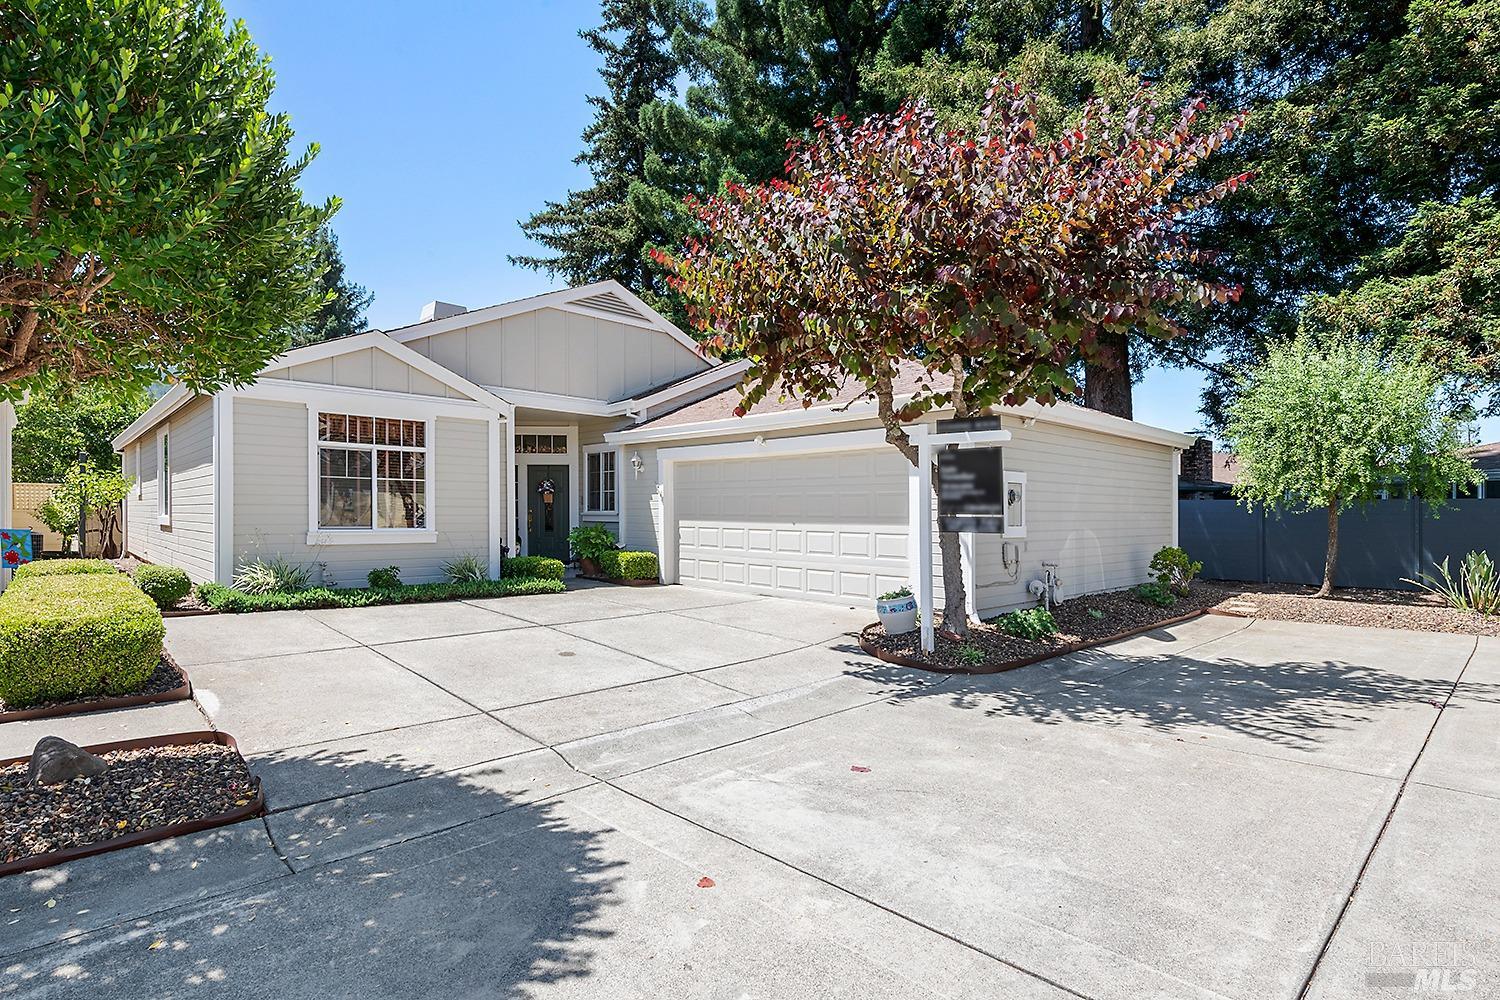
x=826, y=526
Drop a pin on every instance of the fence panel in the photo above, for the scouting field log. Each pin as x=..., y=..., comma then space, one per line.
x=1377, y=547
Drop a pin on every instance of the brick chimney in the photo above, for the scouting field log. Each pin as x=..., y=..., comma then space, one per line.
x=1198, y=462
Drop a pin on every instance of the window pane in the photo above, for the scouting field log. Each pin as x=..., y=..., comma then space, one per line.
x=343, y=488
x=400, y=504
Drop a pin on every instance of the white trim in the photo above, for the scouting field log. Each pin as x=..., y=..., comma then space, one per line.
x=520, y=461
x=549, y=300
x=164, y=477
x=170, y=401
x=511, y=512
x=333, y=398
x=600, y=514
x=493, y=507
x=1011, y=531
x=317, y=534
x=223, y=513
x=726, y=371
x=370, y=536
x=1176, y=492
x=381, y=342
x=818, y=416
x=582, y=405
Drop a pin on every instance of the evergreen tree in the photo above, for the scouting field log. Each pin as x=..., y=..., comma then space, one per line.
x=598, y=233
x=344, y=302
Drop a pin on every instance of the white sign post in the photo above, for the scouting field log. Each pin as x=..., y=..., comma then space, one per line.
x=928, y=441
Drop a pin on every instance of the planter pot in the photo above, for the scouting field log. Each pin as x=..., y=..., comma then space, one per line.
x=590, y=567
x=898, y=616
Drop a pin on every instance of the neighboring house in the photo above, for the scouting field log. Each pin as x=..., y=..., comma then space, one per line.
x=500, y=428
x=1486, y=458
x=1207, y=474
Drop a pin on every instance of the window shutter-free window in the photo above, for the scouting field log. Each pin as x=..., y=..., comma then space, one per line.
x=600, y=482
x=372, y=472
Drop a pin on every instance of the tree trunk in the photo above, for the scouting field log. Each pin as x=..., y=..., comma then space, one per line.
x=1332, y=561
x=955, y=603
x=1106, y=380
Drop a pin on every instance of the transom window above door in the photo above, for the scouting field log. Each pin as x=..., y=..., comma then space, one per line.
x=372, y=472
x=541, y=444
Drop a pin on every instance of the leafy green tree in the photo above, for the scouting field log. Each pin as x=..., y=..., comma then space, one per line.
x=1327, y=423
x=53, y=426
x=344, y=302
x=986, y=261
x=151, y=227
x=598, y=233
x=99, y=492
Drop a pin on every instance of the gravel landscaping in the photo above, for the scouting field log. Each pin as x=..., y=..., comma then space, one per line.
x=1405, y=609
x=167, y=677
x=1096, y=617
x=142, y=789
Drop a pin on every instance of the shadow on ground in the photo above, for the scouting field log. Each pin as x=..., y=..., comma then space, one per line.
x=508, y=899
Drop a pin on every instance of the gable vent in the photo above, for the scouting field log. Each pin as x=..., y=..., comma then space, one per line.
x=609, y=302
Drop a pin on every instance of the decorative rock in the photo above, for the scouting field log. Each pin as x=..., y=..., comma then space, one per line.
x=54, y=760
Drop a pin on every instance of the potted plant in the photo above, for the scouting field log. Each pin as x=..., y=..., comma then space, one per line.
x=897, y=611
x=589, y=543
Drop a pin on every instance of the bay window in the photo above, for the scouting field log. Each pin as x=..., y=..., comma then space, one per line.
x=372, y=472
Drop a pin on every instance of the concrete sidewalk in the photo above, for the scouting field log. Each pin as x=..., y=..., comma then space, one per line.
x=691, y=794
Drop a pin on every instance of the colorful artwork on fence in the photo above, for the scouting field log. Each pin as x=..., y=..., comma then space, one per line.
x=15, y=547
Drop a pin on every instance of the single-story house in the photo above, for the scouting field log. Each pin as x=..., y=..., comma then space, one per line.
x=497, y=429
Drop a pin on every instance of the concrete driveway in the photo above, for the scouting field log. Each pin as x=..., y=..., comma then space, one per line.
x=682, y=793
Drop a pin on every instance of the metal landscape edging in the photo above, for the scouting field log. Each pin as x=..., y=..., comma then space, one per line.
x=181, y=692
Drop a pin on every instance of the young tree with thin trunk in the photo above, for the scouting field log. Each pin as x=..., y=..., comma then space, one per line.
x=984, y=262
x=1330, y=423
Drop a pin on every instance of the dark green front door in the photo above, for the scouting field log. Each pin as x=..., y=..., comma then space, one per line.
x=547, y=511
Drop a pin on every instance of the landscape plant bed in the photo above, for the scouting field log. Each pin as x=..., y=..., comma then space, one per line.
x=227, y=599
x=1120, y=615
x=1403, y=609
x=169, y=683
x=154, y=789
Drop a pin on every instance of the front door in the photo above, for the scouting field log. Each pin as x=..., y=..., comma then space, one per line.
x=547, y=511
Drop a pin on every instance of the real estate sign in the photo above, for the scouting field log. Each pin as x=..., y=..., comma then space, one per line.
x=971, y=490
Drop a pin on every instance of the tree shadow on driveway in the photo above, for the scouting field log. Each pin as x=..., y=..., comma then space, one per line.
x=506, y=895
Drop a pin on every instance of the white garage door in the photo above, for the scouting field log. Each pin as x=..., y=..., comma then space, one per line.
x=825, y=526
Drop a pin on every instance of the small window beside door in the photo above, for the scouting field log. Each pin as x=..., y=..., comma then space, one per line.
x=599, y=495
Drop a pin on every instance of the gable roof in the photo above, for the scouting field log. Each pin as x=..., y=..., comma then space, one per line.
x=180, y=395
x=602, y=300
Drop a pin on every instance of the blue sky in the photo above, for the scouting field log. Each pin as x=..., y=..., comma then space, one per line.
x=442, y=124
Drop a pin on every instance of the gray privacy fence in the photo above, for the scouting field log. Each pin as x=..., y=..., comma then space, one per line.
x=1377, y=547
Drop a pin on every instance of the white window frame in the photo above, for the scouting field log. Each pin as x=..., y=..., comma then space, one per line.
x=589, y=451
x=319, y=535
x=1015, y=479
x=164, y=477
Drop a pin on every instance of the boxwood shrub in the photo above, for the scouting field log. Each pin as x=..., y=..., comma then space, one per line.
x=533, y=566
x=630, y=565
x=227, y=599
x=166, y=585
x=62, y=567
x=75, y=635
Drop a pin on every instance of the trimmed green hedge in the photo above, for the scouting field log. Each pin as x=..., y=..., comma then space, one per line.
x=624, y=565
x=62, y=567
x=166, y=585
x=76, y=634
x=222, y=598
x=533, y=566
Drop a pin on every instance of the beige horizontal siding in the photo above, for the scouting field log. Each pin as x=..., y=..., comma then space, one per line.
x=271, y=498
x=188, y=542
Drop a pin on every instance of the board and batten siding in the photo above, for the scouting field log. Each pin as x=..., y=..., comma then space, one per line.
x=367, y=369
x=188, y=541
x=271, y=498
x=1097, y=504
x=556, y=351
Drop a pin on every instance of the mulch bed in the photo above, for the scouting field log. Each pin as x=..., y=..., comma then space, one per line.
x=1096, y=618
x=144, y=790
x=168, y=683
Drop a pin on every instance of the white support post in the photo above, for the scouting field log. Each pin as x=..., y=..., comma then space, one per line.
x=924, y=544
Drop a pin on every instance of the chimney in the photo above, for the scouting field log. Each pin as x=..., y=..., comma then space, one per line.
x=440, y=310
x=1198, y=462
